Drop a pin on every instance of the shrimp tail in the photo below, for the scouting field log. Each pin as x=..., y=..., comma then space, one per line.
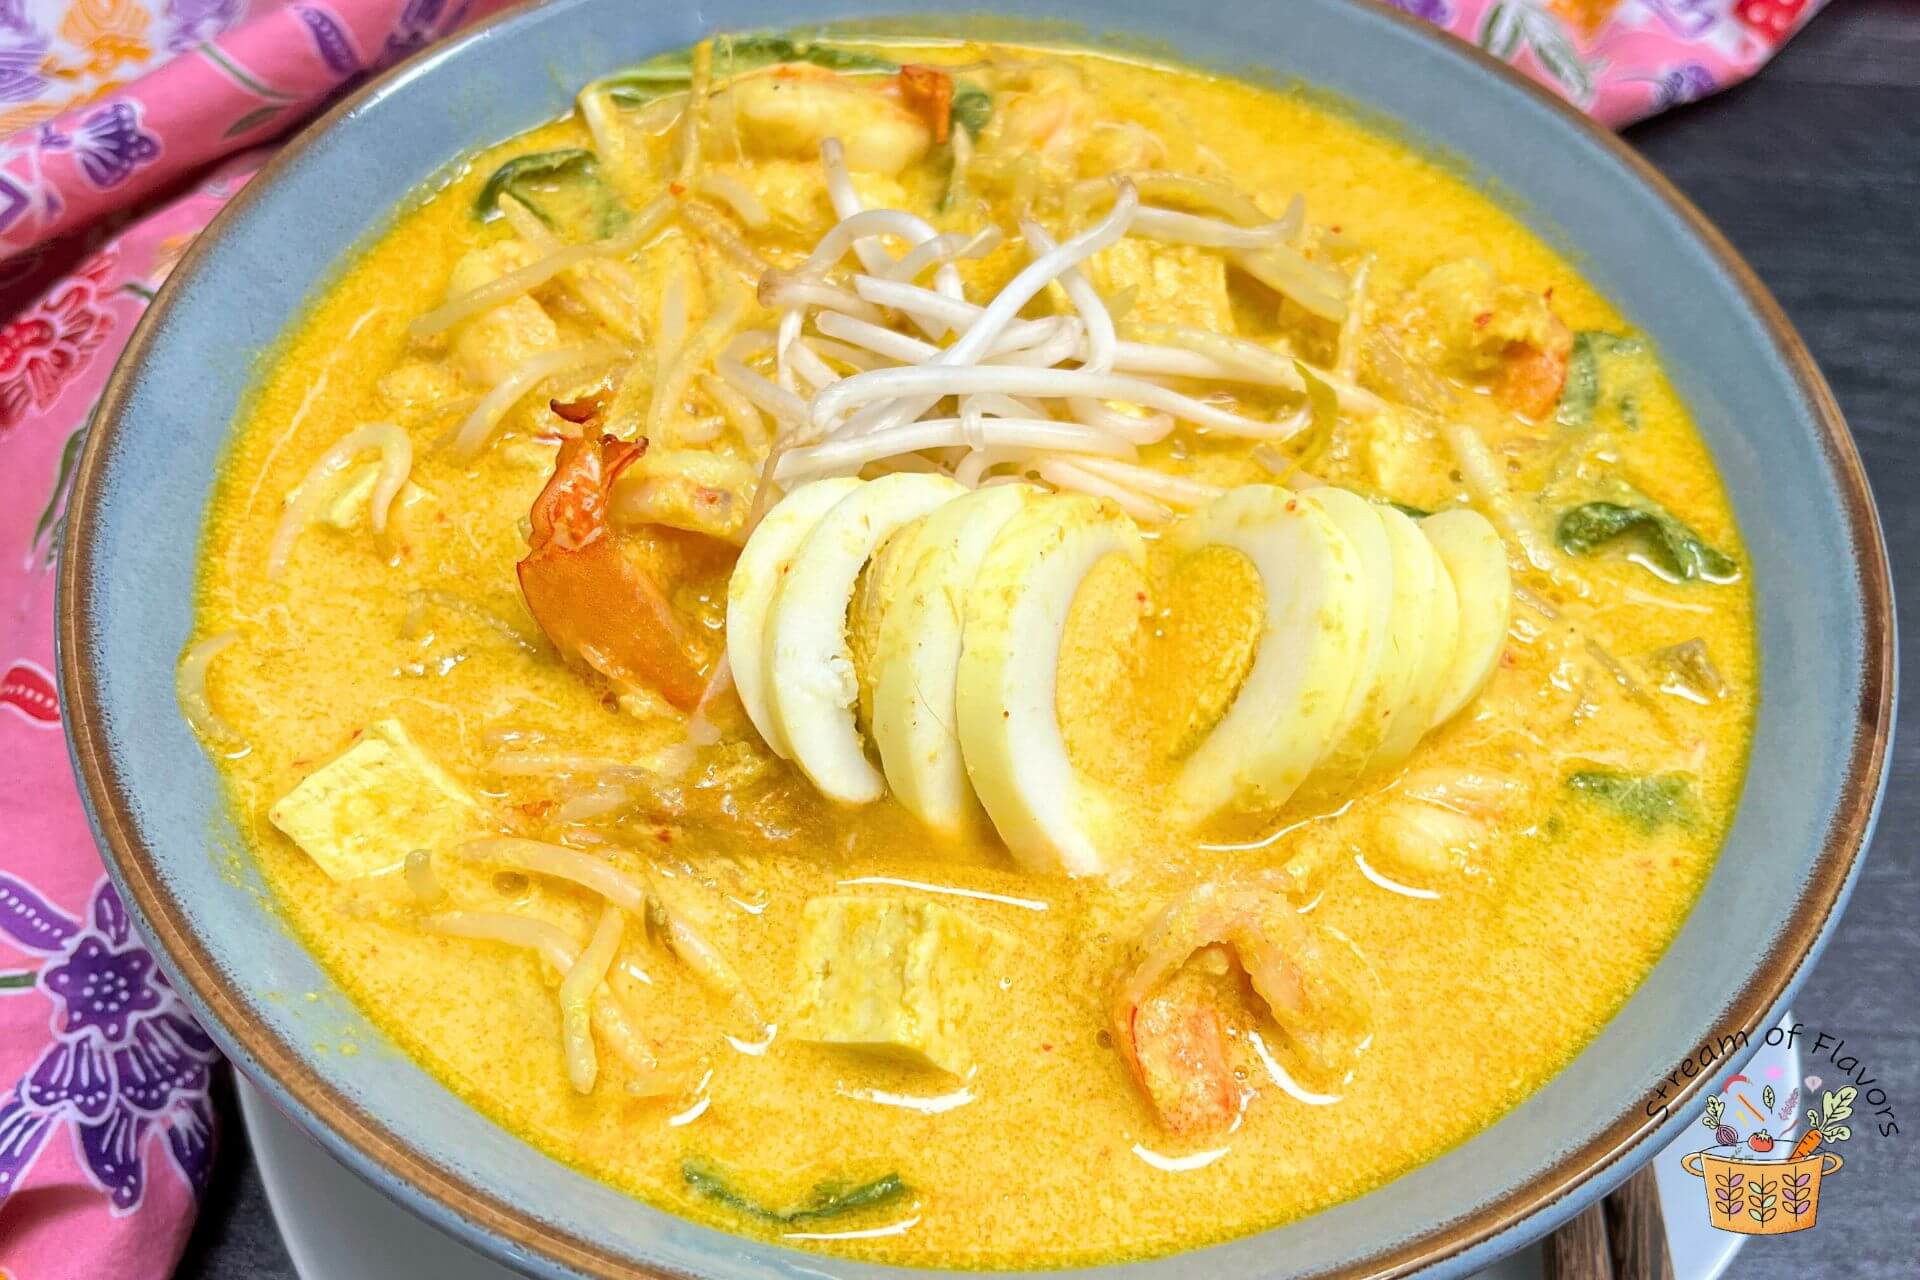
x=598, y=607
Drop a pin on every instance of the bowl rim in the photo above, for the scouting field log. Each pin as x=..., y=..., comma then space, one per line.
x=317, y=1103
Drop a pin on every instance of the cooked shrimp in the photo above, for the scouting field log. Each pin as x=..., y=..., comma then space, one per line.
x=1439, y=818
x=596, y=605
x=1174, y=1041
x=928, y=91
x=1532, y=374
x=792, y=108
x=1488, y=331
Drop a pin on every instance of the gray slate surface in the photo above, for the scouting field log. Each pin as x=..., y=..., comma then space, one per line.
x=1813, y=170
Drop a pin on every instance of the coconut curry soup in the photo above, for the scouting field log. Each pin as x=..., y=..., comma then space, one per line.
x=950, y=652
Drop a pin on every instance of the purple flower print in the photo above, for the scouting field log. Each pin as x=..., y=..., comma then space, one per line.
x=126, y=1060
x=1438, y=12
x=197, y=21
x=330, y=39
x=21, y=51
x=420, y=22
x=1684, y=82
x=110, y=144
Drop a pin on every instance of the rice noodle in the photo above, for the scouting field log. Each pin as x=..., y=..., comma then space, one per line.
x=929, y=383
x=1175, y=490
x=809, y=366
x=874, y=337
x=1102, y=342
x=579, y=280
x=600, y=800
x=1346, y=361
x=584, y=976
x=719, y=233
x=467, y=440
x=854, y=229
x=972, y=470
x=781, y=290
x=699, y=89
x=1147, y=428
x=485, y=617
x=505, y=288
x=563, y=863
x=1065, y=475
x=850, y=454
x=945, y=248
x=190, y=687
x=846, y=203
x=1170, y=226
x=706, y=960
x=974, y=344
x=736, y=195
x=739, y=412
x=1036, y=275
x=671, y=391
x=315, y=488
x=1068, y=341
x=1484, y=479
x=1287, y=271
x=730, y=364
x=1237, y=360
x=851, y=356
x=955, y=313
x=550, y=941
x=1204, y=193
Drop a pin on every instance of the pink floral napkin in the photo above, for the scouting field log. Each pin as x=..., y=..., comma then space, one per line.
x=109, y=107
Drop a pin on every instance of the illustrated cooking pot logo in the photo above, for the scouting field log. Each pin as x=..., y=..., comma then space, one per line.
x=1762, y=1185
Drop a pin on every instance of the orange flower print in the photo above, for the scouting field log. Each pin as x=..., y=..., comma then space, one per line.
x=107, y=32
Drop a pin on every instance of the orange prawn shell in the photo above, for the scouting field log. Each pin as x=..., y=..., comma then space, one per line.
x=593, y=602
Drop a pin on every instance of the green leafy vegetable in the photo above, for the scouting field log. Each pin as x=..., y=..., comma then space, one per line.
x=762, y=51
x=1648, y=801
x=972, y=108
x=540, y=164
x=828, y=1200
x=1673, y=548
x=1766, y=1097
x=732, y=55
x=1588, y=366
x=1835, y=1106
x=1323, y=417
x=1716, y=1106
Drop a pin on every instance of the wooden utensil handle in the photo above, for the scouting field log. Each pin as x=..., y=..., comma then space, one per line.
x=1578, y=1250
x=1636, y=1231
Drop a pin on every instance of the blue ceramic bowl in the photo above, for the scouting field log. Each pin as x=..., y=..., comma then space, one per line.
x=1817, y=558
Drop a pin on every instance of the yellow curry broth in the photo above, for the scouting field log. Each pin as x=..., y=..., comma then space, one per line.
x=1046, y=1154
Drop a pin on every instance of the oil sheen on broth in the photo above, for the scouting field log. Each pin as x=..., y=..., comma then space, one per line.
x=1156, y=1007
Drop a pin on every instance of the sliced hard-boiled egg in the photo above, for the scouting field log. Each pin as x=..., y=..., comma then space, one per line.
x=1314, y=633
x=916, y=655
x=1476, y=562
x=1417, y=574
x=810, y=684
x=756, y=576
x=1380, y=680
x=1051, y=817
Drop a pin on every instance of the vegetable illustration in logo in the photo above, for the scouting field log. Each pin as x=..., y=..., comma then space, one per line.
x=1752, y=1187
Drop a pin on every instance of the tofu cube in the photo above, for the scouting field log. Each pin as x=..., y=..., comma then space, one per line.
x=1171, y=284
x=362, y=812
x=894, y=977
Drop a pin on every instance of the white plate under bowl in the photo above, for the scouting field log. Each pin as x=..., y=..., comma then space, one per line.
x=336, y=1227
